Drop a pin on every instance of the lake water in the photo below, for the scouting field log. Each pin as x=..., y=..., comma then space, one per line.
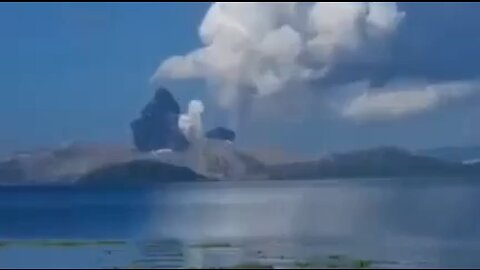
x=355, y=223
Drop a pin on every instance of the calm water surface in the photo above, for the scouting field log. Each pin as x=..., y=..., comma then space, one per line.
x=360, y=222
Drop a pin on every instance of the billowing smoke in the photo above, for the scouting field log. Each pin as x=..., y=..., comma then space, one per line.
x=255, y=50
x=282, y=59
x=191, y=126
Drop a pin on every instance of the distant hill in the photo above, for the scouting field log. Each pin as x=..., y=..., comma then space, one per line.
x=377, y=162
x=138, y=172
x=72, y=162
x=61, y=164
x=108, y=164
x=276, y=155
x=455, y=154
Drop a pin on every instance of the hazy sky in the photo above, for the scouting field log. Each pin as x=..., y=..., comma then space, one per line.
x=71, y=72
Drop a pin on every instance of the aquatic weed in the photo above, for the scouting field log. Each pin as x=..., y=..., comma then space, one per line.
x=252, y=266
x=212, y=245
x=362, y=264
x=302, y=264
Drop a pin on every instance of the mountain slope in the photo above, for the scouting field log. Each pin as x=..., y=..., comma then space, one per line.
x=378, y=162
x=138, y=172
x=455, y=154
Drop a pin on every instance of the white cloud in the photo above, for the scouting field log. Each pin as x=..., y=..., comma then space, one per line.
x=267, y=46
x=387, y=103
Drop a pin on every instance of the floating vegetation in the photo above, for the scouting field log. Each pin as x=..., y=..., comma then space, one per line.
x=157, y=255
x=252, y=266
x=65, y=244
x=302, y=265
x=61, y=243
x=332, y=262
x=212, y=245
x=362, y=264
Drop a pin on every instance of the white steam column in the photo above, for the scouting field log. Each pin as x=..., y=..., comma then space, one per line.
x=191, y=126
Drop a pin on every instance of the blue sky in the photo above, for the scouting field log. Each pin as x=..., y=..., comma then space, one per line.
x=80, y=72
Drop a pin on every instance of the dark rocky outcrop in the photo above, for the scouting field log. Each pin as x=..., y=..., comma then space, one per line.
x=221, y=133
x=157, y=127
x=138, y=173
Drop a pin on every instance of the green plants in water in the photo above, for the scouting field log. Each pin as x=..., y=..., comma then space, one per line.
x=252, y=266
x=61, y=243
x=362, y=264
x=52, y=243
x=212, y=245
x=302, y=264
x=334, y=261
x=66, y=244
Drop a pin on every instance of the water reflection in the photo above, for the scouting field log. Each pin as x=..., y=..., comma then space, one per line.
x=418, y=220
x=414, y=222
